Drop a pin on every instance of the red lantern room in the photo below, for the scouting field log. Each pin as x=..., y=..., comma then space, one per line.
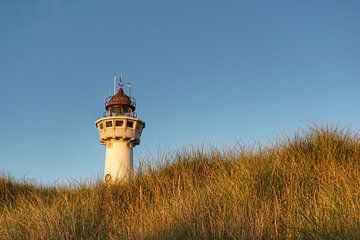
x=120, y=104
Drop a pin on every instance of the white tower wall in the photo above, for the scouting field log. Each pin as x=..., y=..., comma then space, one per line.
x=119, y=134
x=118, y=161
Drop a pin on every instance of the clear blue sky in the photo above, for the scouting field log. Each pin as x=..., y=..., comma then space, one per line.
x=202, y=72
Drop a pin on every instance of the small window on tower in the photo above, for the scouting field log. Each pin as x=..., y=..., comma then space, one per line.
x=101, y=125
x=119, y=123
x=107, y=178
x=108, y=124
x=130, y=124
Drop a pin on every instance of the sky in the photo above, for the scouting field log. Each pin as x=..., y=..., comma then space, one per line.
x=203, y=73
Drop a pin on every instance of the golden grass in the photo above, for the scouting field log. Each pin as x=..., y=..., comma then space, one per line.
x=306, y=187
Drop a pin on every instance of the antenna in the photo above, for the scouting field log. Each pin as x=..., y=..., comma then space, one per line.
x=114, y=84
x=129, y=86
x=121, y=80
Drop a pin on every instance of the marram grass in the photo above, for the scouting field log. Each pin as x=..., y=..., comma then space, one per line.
x=306, y=187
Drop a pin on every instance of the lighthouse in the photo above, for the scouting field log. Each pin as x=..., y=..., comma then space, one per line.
x=120, y=131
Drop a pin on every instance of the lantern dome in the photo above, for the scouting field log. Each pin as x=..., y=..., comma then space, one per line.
x=120, y=99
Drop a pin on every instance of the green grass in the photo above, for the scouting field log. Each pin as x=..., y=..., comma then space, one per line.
x=304, y=187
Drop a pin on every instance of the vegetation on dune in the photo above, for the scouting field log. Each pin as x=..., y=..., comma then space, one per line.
x=307, y=187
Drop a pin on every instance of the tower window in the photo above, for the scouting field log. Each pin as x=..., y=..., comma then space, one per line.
x=101, y=125
x=130, y=124
x=108, y=124
x=107, y=178
x=119, y=123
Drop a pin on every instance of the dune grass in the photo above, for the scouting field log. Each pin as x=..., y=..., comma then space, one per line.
x=304, y=187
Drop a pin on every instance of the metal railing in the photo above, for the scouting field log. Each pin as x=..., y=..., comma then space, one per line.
x=132, y=114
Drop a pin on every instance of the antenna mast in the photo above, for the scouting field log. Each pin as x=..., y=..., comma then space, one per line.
x=114, y=84
x=121, y=80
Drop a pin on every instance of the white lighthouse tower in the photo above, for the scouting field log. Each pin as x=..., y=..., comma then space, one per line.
x=120, y=131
